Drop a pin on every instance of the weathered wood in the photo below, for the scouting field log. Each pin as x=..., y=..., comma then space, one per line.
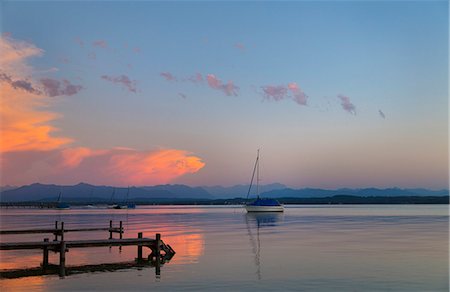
x=45, y=255
x=120, y=229
x=139, y=249
x=158, y=255
x=147, y=242
x=62, y=231
x=62, y=259
x=58, y=231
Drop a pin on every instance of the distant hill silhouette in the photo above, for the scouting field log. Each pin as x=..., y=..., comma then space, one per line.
x=90, y=193
x=87, y=192
x=240, y=190
x=367, y=192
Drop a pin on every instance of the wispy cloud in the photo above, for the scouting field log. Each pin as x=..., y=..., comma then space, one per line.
x=229, y=88
x=168, y=76
x=380, y=112
x=122, y=80
x=197, y=78
x=280, y=92
x=25, y=85
x=137, y=50
x=100, y=44
x=297, y=93
x=53, y=87
x=25, y=125
x=346, y=104
x=275, y=92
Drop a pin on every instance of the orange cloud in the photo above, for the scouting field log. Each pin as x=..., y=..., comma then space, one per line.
x=32, y=152
x=24, y=124
x=160, y=166
x=72, y=157
x=98, y=166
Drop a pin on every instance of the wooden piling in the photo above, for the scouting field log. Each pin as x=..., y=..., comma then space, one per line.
x=56, y=231
x=62, y=259
x=110, y=229
x=158, y=255
x=45, y=255
x=120, y=229
x=62, y=231
x=139, y=249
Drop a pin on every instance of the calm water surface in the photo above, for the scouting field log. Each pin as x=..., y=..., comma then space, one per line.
x=320, y=248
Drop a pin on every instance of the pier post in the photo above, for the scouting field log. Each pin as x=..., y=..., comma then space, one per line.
x=56, y=231
x=110, y=229
x=139, y=250
x=158, y=255
x=62, y=231
x=45, y=257
x=121, y=229
x=62, y=259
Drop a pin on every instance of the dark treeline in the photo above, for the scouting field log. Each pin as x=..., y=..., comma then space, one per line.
x=334, y=200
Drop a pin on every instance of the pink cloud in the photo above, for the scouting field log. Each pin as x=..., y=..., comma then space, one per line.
x=197, y=78
x=168, y=76
x=229, y=89
x=100, y=44
x=275, y=92
x=53, y=87
x=137, y=50
x=118, y=166
x=346, y=104
x=122, y=80
x=297, y=94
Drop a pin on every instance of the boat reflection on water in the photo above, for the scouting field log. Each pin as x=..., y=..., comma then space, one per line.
x=255, y=222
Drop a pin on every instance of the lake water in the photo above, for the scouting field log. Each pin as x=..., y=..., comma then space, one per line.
x=319, y=248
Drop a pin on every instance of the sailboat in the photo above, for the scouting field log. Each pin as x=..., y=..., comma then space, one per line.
x=126, y=205
x=261, y=204
x=111, y=204
x=60, y=205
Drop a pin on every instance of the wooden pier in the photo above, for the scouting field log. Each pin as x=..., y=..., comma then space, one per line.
x=155, y=245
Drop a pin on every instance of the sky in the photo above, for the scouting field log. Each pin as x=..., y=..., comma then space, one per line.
x=333, y=93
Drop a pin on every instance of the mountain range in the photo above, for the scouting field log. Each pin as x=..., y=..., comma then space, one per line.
x=91, y=193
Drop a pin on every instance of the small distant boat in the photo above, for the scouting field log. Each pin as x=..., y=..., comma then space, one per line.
x=111, y=204
x=60, y=205
x=126, y=204
x=261, y=204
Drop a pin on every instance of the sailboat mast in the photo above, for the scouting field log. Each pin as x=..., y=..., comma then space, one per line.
x=257, y=175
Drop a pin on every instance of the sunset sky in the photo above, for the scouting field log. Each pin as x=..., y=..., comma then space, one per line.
x=335, y=94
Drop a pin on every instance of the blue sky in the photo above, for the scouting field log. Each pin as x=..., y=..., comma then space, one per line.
x=388, y=56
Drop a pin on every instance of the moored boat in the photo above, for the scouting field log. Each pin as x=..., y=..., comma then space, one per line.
x=261, y=204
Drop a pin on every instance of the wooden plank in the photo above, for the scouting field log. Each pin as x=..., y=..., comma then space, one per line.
x=110, y=242
x=77, y=243
x=27, y=245
x=32, y=231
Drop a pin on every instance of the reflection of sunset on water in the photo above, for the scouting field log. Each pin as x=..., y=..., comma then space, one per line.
x=31, y=284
